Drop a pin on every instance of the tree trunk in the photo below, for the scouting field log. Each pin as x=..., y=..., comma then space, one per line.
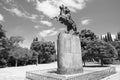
x=37, y=61
x=16, y=61
x=84, y=63
x=101, y=61
x=25, y=63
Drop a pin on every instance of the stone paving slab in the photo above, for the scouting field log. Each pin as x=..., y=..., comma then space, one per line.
x=19, y=73
x=88, y=74
x=113, y=77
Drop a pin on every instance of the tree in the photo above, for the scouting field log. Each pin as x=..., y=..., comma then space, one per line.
x=4, y=46
x=116, y=44
x=3, y=62
x=15, y=50
x=35, y=48
x=35, y=56
x=118, y=37
x=16, y=54
x=35, y=39
x=86, y=36
x=49, y=51
x=46, y=51
x=2, y=32
x=26, y=55
x=20, y=54
x=101, y=50
x=108, y=37
x=85, y=56
x=10, y=50
x=15, y=40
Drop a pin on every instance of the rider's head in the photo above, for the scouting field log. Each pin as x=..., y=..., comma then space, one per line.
x=61, y=7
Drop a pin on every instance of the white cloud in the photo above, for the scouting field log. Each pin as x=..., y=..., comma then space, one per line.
x=19, y=13
x=47, y=8
x=30, y=0
x=25, y=44
x=76, y=4
x=49, y=32
x=51, y=7
x=53, y=33
x=37, y=26
x=62, y=29
x=46, y=23
x=85, y=22
x=16, y=11
x=1, y=17
x=33, y=16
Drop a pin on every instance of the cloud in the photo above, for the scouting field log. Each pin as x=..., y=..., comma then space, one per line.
x=75, y=4
x=85, y=22
x=49, y=32
x=37, y=27
x=50, y=8
x=53, y=33
x=46, y=23
x=32, y=17
x=62, y=29
x=1, y=17
x=15, y=11
x=25, y=44
x=47, y=8
x=30, y=0
x=19, y=13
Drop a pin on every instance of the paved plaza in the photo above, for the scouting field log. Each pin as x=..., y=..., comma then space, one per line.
x=19, y=73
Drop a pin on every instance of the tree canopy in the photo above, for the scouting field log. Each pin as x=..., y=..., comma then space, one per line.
x=45, y=51
x=86, y=36
x=100, y=49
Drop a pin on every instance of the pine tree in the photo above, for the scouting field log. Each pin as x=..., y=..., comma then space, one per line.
x=109, y=37
x=118, y=37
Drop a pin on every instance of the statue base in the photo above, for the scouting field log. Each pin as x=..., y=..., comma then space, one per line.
x=88, y=74
x=69, y=56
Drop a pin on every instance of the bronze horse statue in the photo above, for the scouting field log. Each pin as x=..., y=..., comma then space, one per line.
x=65, y=18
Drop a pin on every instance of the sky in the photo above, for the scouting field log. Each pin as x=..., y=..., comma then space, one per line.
x=33, y=18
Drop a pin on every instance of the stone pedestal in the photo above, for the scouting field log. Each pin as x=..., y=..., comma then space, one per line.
x=69, y=57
